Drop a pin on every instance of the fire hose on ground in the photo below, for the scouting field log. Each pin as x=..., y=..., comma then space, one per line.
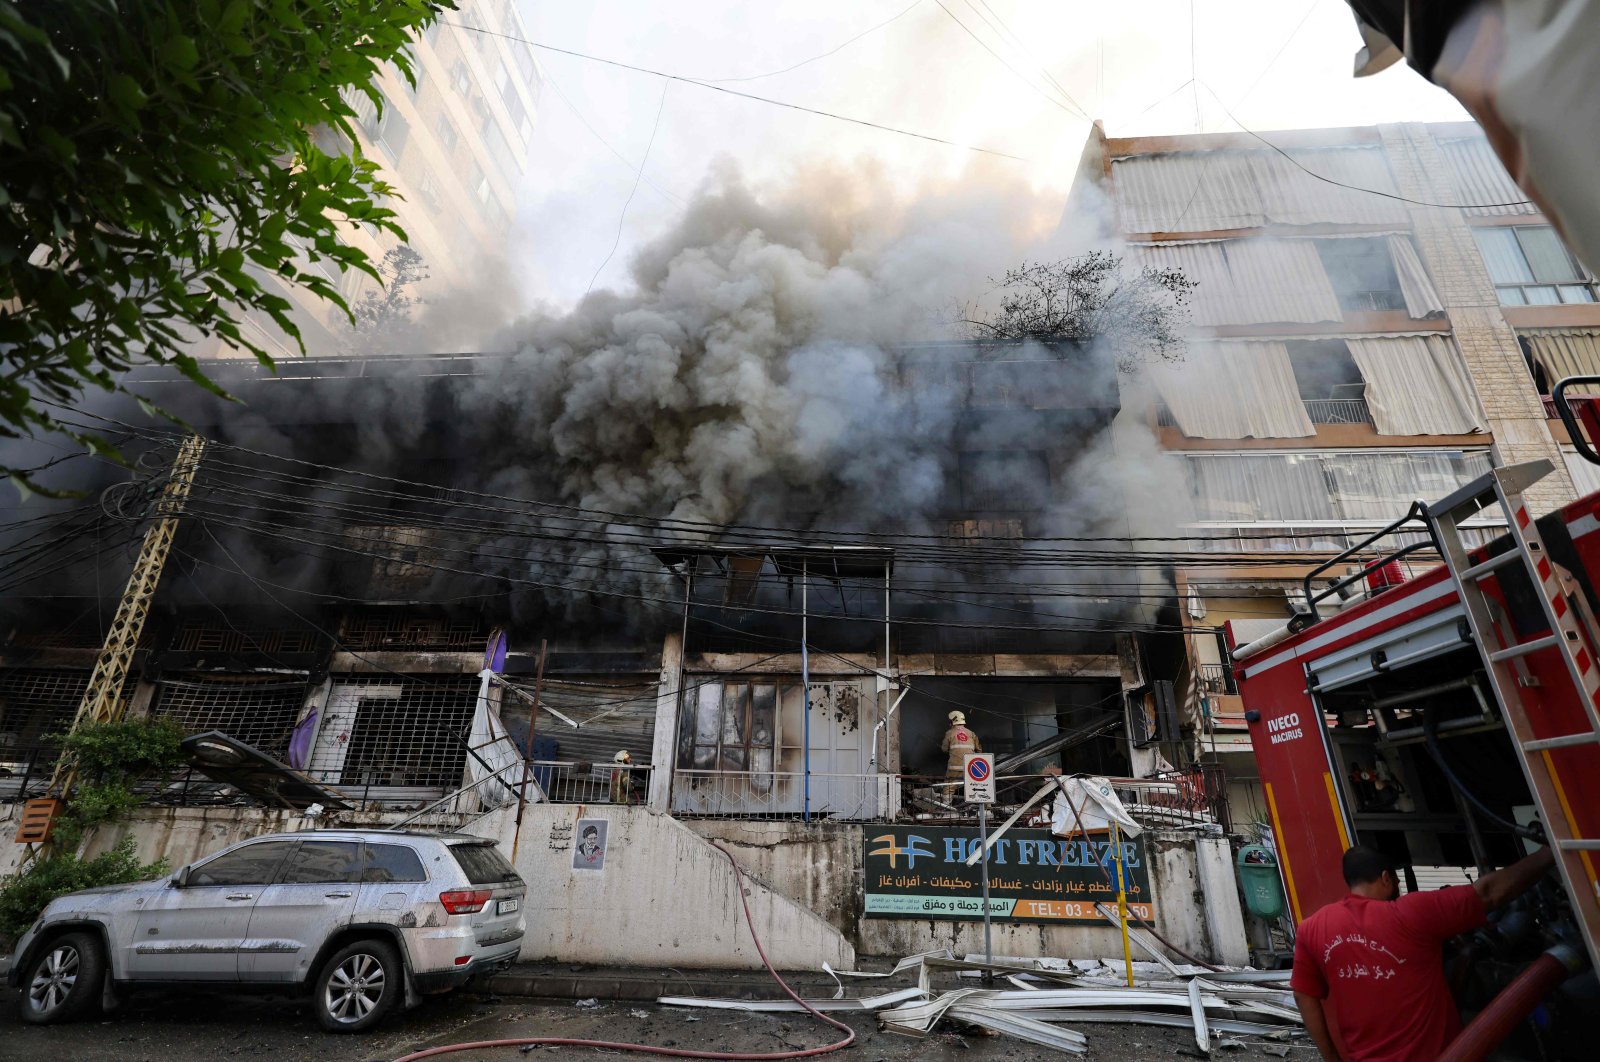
x=674, y=1052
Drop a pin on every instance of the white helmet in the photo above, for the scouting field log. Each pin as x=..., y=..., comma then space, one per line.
x=958, y=719
x=622, y=757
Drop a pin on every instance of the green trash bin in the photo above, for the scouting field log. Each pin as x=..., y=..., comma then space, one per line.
x=1258, y=877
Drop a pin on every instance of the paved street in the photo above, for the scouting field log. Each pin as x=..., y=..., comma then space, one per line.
x=197, y=1028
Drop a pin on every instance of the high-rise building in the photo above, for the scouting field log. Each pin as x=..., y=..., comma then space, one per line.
x=454, y=145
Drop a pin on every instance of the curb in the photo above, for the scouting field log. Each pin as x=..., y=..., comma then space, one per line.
x=647, y=987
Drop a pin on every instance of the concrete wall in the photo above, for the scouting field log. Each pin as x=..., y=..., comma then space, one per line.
x=820, y=865
x=664, y=897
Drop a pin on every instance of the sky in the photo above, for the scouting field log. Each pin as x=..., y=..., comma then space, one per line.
x=1020, y=78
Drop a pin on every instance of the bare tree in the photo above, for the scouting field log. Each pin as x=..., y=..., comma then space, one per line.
x=1092, y=298
x=379, y=318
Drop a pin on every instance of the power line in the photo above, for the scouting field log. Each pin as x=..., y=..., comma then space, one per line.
x=1354, y=187
x=562, y=96
x=660, y=107
x=1021, y=47
x=745, y=95
x=806, y=62
x=1002, y=61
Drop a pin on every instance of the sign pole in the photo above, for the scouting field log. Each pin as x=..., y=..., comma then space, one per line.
x=983, y=840
x=1122, y=902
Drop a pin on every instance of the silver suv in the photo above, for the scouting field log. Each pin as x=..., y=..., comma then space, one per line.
x=360, y=919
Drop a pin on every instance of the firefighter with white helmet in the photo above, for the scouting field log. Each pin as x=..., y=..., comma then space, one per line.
x=959, y=741
x=622, y=778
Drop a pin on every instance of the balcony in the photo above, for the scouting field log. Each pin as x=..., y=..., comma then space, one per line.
x=1319, y=410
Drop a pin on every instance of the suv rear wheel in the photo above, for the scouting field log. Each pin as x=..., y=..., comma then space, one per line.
x=63, y=980
x=357, y=986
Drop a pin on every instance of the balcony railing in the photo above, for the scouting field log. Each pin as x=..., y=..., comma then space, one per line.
x=1383, y=299
x=555, y=782
x=1338, y=410
x=1318, y=410
x=1214, y=678
x=1306, y=538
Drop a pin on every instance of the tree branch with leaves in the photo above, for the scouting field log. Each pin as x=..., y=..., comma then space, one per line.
x=158, y=158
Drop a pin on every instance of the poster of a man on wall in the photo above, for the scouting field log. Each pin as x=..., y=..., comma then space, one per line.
x=590, y=851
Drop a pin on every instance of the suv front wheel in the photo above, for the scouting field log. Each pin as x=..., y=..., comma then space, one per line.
x=357, y=986
x=63, y=980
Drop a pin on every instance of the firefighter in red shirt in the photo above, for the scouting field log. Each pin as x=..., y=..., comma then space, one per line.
x=1376, y=957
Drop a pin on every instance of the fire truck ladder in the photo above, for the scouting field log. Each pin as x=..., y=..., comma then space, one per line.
x=1571, y=630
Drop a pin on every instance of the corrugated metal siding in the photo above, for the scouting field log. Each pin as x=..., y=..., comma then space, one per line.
x=1477, y=177
x=1205, y=191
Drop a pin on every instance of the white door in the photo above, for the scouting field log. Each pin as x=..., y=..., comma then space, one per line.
x=842, y=718
x=313, y=897
x=196, y=933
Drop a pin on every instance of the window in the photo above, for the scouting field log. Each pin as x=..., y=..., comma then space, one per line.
x=324, y=862
x=382, y=125
x=483, y=863
x=500, y=149
x=445, y=129
x=392, y=862
x=1362, y=274
x=1324, y=487
x=460, y=78
x=429, y=191
x=504, y=83
x=1530, y=266
x=1005, y=480
x=478, y=184
x=519, y=116
x=528, y=67
x=408, y=733
x=1329, y=381
x=729, y=726
x=254, y=864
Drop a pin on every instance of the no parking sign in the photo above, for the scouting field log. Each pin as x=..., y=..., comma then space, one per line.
x=978, y=775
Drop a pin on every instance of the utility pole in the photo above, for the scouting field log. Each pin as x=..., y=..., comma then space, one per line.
x=102, y=698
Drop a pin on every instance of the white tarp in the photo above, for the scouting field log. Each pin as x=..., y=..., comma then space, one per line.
x=1096, y=805
x=493, y=751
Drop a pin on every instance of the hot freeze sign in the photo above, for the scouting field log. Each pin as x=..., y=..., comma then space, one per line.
x=1034, y=876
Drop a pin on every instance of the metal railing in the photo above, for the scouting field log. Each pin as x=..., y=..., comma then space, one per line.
x=1305, y=537
x=1381, y=299
x=557, y=782
x=1318, y=410
x=578, y=782
x=1214, y=678
x=1337, y=410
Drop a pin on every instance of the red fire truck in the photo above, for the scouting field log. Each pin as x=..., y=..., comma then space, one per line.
x=1450, y=720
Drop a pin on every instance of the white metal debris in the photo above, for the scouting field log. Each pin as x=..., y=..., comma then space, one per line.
x=1039, y=996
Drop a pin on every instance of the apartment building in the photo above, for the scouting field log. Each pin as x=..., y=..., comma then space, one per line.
x=1380, y=315
x=454, y=145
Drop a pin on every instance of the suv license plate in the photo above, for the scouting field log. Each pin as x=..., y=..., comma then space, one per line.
x=506, y=906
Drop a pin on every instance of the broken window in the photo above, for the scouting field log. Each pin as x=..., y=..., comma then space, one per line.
x=259, y=712
x=1362, y=273
x=405, y=731
x=729, y=727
